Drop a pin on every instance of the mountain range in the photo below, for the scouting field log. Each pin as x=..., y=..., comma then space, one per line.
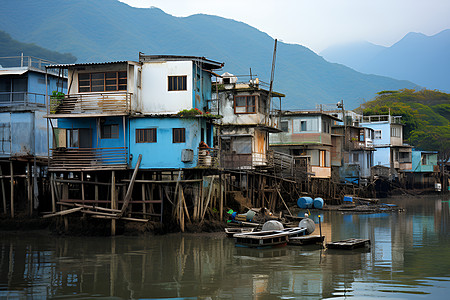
x=10, y=47
x=419, y=58
x=109, y=30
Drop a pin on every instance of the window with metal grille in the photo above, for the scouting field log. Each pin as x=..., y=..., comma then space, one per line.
x=110, y=131
x=146, y=135
x=179, y=135
x=101, y=82
x=177, y=83
x=284, y=126
x=245, y=104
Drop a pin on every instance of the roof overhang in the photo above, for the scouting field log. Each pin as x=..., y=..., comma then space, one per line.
x=13, y=71
x=207, y=63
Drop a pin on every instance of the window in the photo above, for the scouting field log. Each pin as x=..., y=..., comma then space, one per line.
x=110, y=131
x=101, y=82
x=242, y=145
x=284, y=126
x=355, y=157
x=303, y=126
x=245, y=104
x=395, y=132
x=326, y=127
x=79, y=138
x=177, y=83
x=424, y=159
x=179, y=135
x=361, y=135
x=72, y=138
x=377, y=134
x=146, y=135
x=322, y=158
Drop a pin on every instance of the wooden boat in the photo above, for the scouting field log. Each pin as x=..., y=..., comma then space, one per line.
x=230, y=231
x=349, y=244
x=262, y=239
x=295, y=231
x=306, y=240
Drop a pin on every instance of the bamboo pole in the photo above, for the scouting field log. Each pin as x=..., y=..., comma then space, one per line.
x=63, y=212
x=185, y=206
x=283, y=201
x=127, y=198
x=209, y=197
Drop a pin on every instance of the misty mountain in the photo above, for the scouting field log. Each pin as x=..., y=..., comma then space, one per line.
x=108, y=30
x=354, y=55
x=10, y=47
x=422, y=59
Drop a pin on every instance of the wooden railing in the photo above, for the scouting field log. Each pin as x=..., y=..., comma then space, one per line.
x=63, y=159
x=103, y=103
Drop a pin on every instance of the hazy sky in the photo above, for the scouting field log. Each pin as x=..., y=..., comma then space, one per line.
x=318, y=24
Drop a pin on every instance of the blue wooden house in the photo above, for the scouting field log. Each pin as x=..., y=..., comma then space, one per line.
x=424, y=171
x=115, y=111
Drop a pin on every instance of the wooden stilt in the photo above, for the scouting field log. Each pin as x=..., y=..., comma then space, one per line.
x=221, y=197
x=3, y=192
x=29, y=190
x=66, y=224
x=113, y=201
x=82, y=187
x=12, y=189
x=96, y=188
x=52, y=189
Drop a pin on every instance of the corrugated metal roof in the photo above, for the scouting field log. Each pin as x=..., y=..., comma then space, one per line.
x=14, y=71
x=211, y=64
x=66, y=66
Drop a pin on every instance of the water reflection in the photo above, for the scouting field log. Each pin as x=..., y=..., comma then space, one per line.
x=409, y=256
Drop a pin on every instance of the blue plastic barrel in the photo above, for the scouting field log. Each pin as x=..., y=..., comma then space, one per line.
x=305, y=202
x=318, y=203
x=348, y=199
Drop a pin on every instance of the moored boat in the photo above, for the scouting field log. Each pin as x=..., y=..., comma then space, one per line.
x=262, y=239
x=230, y=231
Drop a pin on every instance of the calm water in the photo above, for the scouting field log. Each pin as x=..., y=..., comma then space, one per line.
x=409, y=258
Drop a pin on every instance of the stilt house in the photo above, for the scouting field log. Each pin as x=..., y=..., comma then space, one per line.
x=23, y=128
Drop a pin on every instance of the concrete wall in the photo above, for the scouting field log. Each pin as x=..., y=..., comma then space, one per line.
x=382, y=156
x=155, y=95
x=295, y=135
x=164, y=153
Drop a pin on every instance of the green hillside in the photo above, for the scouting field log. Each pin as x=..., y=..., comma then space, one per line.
x=425, y=114
x=108, y=30
x=11, y=47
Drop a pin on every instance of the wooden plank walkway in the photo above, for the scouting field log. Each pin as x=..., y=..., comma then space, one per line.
x=349, y=244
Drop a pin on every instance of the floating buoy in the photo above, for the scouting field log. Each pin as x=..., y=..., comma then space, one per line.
x=272, y=225
x=308, y=224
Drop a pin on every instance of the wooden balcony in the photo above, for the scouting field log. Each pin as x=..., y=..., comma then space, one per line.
x=88, y=159
x=109, y=103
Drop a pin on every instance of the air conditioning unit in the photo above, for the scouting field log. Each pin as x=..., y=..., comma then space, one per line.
x=187, y=155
